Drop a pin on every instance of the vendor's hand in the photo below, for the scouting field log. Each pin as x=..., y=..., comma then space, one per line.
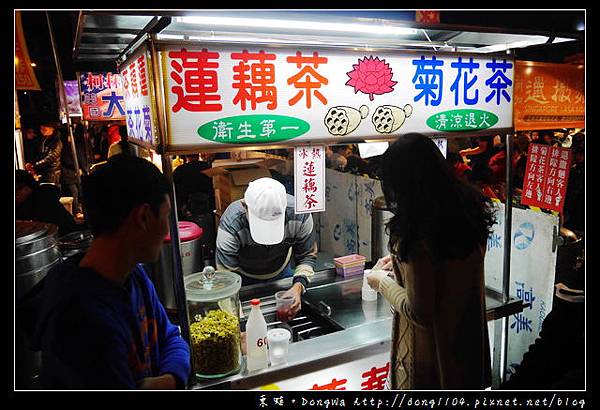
x=29, y=168
x=375, y=277
x=163, y=382
x=296, y=292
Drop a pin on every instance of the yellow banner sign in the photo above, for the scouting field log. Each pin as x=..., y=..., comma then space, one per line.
x=24, y=76
x=548, y=96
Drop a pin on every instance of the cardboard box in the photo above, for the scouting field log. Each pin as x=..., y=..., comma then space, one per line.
x=231, y=178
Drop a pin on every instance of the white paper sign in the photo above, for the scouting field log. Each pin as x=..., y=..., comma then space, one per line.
x=372, y=149
x=532, y=267
x=309, y=178
x=442, y=144
x=135, y=73
x=231, y=94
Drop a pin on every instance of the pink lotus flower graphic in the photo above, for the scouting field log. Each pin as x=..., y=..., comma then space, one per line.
x=371, y=76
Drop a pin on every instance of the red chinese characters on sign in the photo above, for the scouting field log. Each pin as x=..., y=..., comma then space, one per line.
x=546, y=177
x=310, y=179
x=196, y=79
x=259, y=85
x=134, y=80
x=372, y=379
x=309, y=169
x=125, y=76
x=141, y=69
x=310, y=185
x=427, y=16
x=135, y=84
x=331, y=386
x=375, y=378
x=308, y=72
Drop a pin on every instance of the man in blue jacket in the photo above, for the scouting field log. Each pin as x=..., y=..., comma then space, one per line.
x=96, y=317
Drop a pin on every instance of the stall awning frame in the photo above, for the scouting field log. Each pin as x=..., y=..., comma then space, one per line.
x=107, y=36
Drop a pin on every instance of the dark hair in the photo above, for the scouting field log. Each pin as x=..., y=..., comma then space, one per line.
x=24, y=178
x=430, y=202
x=340, y=148
x=453, y=157
x=78, y=130
x=123, y=132
x=481, y=173
x=113, y=190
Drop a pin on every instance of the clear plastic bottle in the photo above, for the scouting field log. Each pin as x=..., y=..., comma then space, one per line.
x=256, y=338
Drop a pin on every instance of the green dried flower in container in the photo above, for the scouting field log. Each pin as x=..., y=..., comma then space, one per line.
x=216, y=344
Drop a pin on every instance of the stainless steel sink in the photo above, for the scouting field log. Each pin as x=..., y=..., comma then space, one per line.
x=310, y=322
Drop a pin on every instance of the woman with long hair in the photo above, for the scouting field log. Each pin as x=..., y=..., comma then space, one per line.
x=438, y=235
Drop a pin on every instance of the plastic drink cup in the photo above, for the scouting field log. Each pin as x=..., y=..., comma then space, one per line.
x=278, y=340
x=283, y=302
x=368, y=294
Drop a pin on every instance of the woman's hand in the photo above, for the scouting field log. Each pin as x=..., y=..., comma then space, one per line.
x=384, y=263
x=375, y=277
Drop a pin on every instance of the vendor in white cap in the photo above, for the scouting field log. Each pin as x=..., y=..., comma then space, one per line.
x=258, y=236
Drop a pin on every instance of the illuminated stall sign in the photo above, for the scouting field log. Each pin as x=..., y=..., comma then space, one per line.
x=141, y=121
x=72, y=94
x=549, y=96
x=101, y=96
x=225, y=95
x=369, y=373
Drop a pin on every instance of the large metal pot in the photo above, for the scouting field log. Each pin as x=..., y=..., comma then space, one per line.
x=379, y=238
x=190, y=236
x=36, y=252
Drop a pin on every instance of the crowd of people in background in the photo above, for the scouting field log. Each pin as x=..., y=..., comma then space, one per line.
x=49, y=159
x=482, y=162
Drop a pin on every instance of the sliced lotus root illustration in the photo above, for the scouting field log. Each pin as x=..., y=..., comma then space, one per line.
x=389, y=118
x=343, y=120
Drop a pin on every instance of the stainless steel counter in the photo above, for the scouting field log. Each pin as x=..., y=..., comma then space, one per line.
x=366, y=329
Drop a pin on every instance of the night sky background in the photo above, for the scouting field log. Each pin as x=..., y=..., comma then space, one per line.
x=64, y=23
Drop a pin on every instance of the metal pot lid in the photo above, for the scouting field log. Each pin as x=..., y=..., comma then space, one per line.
x=76, y=239
x=222, y=285
x=27, y=231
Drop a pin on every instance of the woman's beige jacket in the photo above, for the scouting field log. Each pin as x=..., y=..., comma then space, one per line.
x=440, y=335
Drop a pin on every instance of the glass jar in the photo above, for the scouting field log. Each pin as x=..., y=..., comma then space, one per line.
x=213, y=309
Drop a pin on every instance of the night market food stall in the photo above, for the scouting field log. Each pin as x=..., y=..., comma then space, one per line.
x=222, y=82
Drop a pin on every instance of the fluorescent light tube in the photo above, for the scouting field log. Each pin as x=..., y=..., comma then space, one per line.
x=296, y=24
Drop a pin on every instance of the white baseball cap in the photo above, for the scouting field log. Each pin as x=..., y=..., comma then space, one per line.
x=266, y=200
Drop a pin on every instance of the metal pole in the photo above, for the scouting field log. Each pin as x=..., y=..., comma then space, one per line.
x=178, y=285
x=506, y=262
x=167, y=168
x=63, y=95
